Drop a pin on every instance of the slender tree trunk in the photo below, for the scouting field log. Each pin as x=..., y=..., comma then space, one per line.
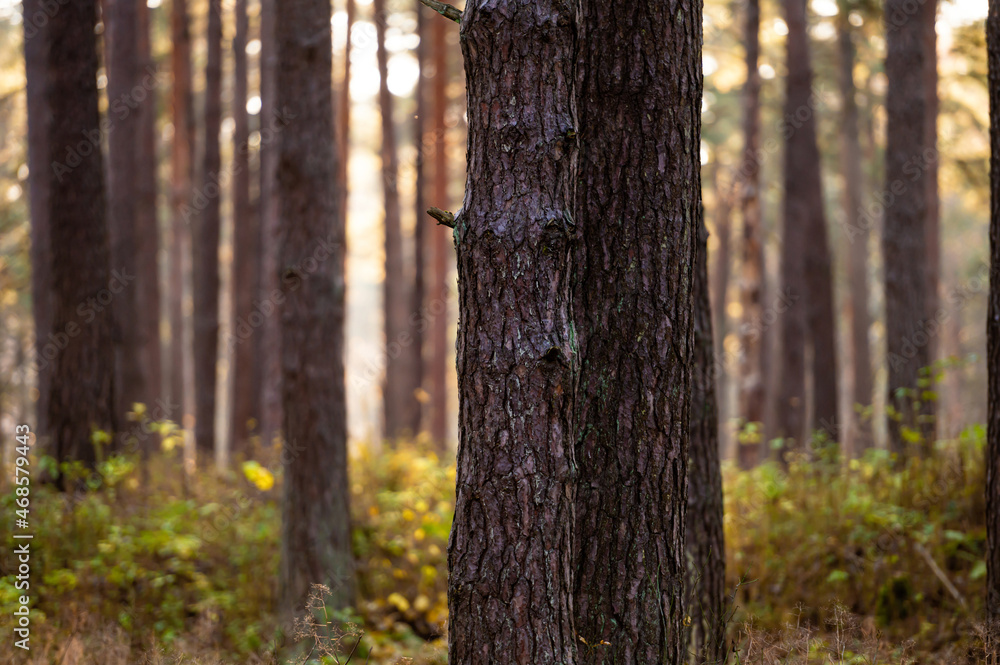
x=316, y=543
x=181, y=158
x=857, y=233
x=790, y=400
x=993, y=327
x=418, y=313
x=723, y=258
x=752, y=390
x=638, y=204
x=705, y=545
x=246, y=236
x=398, y=400
x=81, y=391
x=147, y=227
x=904, y=240
x=123, y=115
x=206, y=246
x=933, y=236
x=510, y=556
x=437, y=377
x=270, y=344
x=40, y=174
x=344, y=114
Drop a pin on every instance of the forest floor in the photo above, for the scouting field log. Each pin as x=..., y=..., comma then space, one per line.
x=833, y=561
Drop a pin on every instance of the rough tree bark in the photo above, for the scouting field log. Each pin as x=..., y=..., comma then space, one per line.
x=398, y=400
x=903, y=238
x=147, y=234
x=705, y=545
x=206, y=245
x=993, y=327
x=438, y=293
x=857, y=236
x=182, y=173
x=246, y=237
x=752, y=389
x=316, y=542
x=575, y=252
x=40, y=174
x=81, y=392
x=790, y=409
x=123, y=115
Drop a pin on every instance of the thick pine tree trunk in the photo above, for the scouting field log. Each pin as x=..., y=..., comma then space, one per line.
x=638, y=188
x=246, y=237
x=438, y=293
x=206, y=245
x=857, y=235
x=316, y=542
x=796, y=208
x=398, y=400
x=81, y=391
x=123, y=114
x=903, y=240
x=40, y=174
x=993, y=327
x=705, y=546
x=147, y=234
x=752, y=389
x=181, y=164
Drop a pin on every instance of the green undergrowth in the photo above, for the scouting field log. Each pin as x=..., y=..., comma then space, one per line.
x=168, y=567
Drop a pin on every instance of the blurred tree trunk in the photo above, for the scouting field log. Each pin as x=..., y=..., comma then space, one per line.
x=206, y=245
x=705, y=545
x=316, y=539
x=81, y=391
x=437, y=307
x=723, y=257
x=510, y=559
x=993, y=328
x=639, y=178
x=928, y=14
x=790, y=409
x=124, y=109
x=752, y=389
x=147, y=226
x=398, y=400
x=40, y=173
x=904, y=246
x=343, y=118
x=270, y=342
x=857, y=232
x=182, y=175
x=246, y=236
x=418, y=313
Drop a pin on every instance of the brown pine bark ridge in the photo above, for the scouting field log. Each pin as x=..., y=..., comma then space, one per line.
x=993, y=328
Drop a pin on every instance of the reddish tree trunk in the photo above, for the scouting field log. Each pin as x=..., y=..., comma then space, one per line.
x=123, y=115
x=993, y=327
x=933, y=235
x=857, y=234
x=39, y=116
x=752, y=389
x=246, y=236
x=418, y=313
x=316, y=542
x=903, y=240
x=81, y=391
x=398, y=400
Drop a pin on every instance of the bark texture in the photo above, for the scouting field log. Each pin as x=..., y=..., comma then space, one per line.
x=147, y=234
x=399, y=403
x=705, y=545
x=206, y=245
x=81, y=392
x=246, y=250
x=121, y=47
x=752, y=389
x=316, y=542
x=40, y=175
x=993, y=327
x=903, y=238
x=857, y=235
